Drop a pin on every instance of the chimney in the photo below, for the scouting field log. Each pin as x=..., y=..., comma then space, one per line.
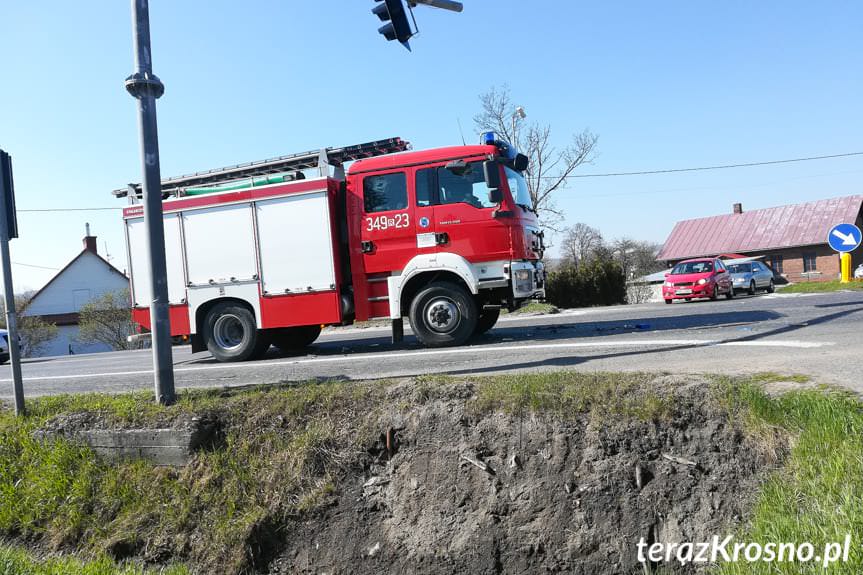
x=738, y=208
x=89, y=241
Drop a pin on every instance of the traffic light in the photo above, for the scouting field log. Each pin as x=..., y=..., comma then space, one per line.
x=7, y=191
x=398, y=27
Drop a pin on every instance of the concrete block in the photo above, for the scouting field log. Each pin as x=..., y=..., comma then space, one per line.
x=173, y=447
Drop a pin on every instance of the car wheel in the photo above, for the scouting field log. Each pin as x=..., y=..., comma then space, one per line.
x=443, y=314
x=232, y=335
x=752, y=287
x=714, y=295
x=772, y=287
x=730, y=294
x=668, y=301
x=486, y=321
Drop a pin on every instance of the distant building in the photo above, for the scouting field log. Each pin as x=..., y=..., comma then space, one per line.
x=86, y=277
x=792, y=239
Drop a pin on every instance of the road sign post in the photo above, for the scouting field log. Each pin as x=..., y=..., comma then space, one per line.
x=9, y=229
x=844, y=239
x=845, y=262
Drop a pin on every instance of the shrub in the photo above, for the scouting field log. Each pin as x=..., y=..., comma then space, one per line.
x=597, y=282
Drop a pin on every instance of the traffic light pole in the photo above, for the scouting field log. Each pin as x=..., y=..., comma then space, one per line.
x=144, y=86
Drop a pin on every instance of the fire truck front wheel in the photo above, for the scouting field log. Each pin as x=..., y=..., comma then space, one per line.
x=443, y=314
x=232, y=335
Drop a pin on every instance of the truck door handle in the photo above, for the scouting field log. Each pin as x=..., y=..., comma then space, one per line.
x=367, y=247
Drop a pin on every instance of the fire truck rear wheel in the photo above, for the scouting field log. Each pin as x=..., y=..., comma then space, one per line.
x=486, y=321
x=296, y=337
x=232, y=335
x=443, y=314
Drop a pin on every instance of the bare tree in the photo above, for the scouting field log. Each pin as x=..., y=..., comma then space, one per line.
x=549, y=167
x=107, y=319
x=637, y=258
x=581, y=243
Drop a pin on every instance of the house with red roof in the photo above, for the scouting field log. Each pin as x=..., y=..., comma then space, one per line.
x=792, y=239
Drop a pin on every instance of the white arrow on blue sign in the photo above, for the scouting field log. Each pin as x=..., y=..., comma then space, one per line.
x=844, y=237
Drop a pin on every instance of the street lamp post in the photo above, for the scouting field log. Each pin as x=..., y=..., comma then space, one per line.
x=146, y=87
x=517, y=115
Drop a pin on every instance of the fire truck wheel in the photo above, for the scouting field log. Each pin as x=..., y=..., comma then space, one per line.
x=486, y=321
x=296, y=337
x=443, y=314
x=231, y=333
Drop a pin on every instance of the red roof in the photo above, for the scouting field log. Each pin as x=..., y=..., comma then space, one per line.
x=760, y=230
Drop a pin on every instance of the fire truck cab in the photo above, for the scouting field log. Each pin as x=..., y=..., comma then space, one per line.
x=445, y=237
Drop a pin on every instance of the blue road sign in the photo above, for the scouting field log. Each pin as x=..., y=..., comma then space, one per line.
x=844, y=237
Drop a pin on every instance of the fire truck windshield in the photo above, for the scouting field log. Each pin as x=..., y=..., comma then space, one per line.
x=518, y=189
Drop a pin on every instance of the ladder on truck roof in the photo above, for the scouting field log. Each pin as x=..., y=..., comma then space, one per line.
x=320, y=159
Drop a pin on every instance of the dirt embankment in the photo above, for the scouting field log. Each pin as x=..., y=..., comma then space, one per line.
x=453, y=488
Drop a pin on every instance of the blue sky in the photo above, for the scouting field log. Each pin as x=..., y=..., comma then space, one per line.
x=663, y=84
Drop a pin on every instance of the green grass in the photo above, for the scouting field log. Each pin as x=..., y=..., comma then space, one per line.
x=817, y=287
x=817, y=497
x=570, y=394
x=15, y=561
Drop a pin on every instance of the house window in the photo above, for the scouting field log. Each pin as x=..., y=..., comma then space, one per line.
x=809, y=262
x=776, y=263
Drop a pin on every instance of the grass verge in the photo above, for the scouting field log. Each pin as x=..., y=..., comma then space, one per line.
x=18, y=562
x=818, y=287
x=817, y=497
x=285, y=449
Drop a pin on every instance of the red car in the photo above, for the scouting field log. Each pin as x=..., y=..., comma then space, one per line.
x=702, y=277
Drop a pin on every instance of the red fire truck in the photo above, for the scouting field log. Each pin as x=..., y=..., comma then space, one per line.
x=260, y=253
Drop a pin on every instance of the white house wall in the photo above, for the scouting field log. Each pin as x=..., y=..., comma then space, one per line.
x=66, y=336
x=87, y=278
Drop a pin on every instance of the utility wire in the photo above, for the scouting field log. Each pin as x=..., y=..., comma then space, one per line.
x=723, y=167
x=68, y=209
x=34, y=266
x=606, y=175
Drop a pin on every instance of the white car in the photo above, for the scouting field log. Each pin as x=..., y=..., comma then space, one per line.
x=858, y=273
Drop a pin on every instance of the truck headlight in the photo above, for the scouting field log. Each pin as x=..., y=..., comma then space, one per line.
x=523, y=280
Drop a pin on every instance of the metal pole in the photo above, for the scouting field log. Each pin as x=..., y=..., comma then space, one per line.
x=146, y=88
x=9, y=297
x=845, y=267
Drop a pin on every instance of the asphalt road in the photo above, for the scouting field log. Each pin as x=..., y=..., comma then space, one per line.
x=813, y=334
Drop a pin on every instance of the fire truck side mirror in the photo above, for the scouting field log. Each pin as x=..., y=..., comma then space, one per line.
x=491, y=171
x=520, y=163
